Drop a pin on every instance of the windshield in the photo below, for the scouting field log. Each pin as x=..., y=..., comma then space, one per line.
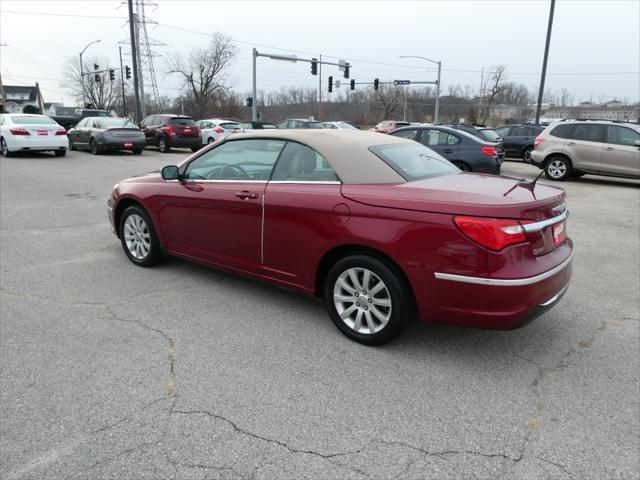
x=32, y=120
x=116, y=122
x=186, y=121
x=490, y=135
x=348, y=126
x=413, y=161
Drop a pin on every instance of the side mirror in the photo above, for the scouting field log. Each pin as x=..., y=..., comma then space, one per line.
x=170, y=172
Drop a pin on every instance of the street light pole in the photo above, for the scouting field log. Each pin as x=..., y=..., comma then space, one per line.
x=544, y=61
x=436, y=116
x=254, y=105
x=84, y=97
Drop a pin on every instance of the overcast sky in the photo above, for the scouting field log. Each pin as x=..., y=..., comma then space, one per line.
x=595, y=45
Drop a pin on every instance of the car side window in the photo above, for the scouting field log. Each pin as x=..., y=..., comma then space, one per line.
x=532, y=132
x=503, y=131
x=588, y=133
x=299, y=163
x=432, y=138
x=562, y=131
x=238, y=160
x=452, y=139
x=518, y=131
x=411, y=134
x=622, y=135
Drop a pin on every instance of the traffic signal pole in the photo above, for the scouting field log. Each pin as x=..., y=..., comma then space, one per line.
x=134, y=55
x=124, y=104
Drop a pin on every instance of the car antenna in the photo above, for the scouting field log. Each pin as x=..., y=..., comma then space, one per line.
x=529, y=185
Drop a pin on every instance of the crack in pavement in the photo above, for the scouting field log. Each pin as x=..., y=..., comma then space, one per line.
x=445, y=453
x=561, y=467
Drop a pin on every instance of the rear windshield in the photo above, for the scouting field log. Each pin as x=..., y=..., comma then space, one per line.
x=402, y=124
x=413, y=161
x=116, y=122
x=490, y=135
x=20, y=120
x=268, y=126
x=182, y=121
x=230, y=126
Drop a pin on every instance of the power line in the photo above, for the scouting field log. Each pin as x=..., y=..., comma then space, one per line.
x=61, y=14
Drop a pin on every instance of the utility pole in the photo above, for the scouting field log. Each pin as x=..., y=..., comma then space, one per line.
x=254, y=105
x=320, y=89
x=404, y=113
x=124, y=102
x=134, y=55
x=143, y=109
x=437, y=113
x=2, y=92
x=544, y=61
x=481, y=92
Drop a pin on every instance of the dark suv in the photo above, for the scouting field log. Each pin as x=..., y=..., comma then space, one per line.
x=168, y=131
x=519, y=139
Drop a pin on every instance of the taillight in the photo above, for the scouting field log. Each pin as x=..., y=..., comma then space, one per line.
x=218, y=130
x=61, y=132
x=492, y=233
x=195, y=129
x=491, y=151
x=537, y=142
x=170, y=131
x=19, y=131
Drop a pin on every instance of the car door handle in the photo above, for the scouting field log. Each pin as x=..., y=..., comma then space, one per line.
x=609, y=149
x=571, y=144
x=244, y=194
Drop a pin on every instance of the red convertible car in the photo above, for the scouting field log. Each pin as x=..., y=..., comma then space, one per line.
x=379, y=227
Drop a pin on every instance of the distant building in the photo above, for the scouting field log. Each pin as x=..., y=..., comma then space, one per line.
x=613, y=110
x=19, y=97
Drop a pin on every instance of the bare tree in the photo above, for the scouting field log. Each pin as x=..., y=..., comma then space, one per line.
x=202, y=72
x=103, y=95
x=495, y=84
x=387, y=100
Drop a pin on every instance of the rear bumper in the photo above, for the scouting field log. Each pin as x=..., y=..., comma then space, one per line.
x=34, y=143
x=536, y=158
x=494, y=303
x=114, y=145
x=182, y=142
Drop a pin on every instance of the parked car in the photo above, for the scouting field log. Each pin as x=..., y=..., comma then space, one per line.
x=519, y=139
x=23, y=132
x=299, y=123
x=480, y=131
x=248, y=126
x=214, y=129
x=167, y=131
x=103, y=134
x=373, y=224
x=338, y=125
x=388, y=125
x=468, y=152
x=571, y=148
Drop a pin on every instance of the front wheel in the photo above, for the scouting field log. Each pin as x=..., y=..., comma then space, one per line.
x=366, y=299
x=558, y=169
x=163, y=145
x=462, y=166
x=138, y=237
x=4, y=148
x=71, y=145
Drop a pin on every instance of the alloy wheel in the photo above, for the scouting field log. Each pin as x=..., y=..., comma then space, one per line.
x=362, y=300
x=557, y=169
x=5, y=149
x=137, y=236
x=162, y=145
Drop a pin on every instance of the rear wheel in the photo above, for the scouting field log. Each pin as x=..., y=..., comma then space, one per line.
x=93, y=146
x=366, y=299
x=71, y=145
x=163, y=145
x=5, y=149
x=138, y=237
x=462, y=166
x=526, y=154
x=558, y=169
x=60, y=153
x=210, y=140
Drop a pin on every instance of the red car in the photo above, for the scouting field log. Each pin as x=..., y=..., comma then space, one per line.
x=388, y=125
x=379, y=227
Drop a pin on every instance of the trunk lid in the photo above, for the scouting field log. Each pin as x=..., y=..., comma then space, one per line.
x=125, y=132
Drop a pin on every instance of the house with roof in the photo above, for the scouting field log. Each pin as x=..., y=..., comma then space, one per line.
x=19, y=97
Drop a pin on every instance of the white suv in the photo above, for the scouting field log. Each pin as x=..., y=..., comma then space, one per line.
x=571, y=148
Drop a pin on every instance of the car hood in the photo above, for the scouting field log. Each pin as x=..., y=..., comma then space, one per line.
x=150, y=177
x=462, y=194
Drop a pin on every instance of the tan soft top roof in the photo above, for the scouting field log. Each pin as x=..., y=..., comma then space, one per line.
x=345, y=150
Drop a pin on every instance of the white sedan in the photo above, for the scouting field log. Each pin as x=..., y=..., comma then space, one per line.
x=214, y=129
x=338, y=125
x=23, y=132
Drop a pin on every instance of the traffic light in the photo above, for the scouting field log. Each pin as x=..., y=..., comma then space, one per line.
x=330, y=84
x=346, y=70
x=127, y=72
x=376, y=84
x=96, y=66
x=112, y=75
x=97, y=77
x=314, y=66
x=249, y=101
x=353, y=84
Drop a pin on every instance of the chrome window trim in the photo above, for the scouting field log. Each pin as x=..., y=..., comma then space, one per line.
x=536, y=227
x=335, y=182
x=197, y=180
x=498, y=282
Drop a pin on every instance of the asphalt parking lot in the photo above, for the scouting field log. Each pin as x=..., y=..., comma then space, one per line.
x=113, y=371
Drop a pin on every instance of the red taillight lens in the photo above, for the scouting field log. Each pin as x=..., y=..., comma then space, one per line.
x=19, y=131
x=171, y=131
x=537, y=142
x=61, y=132
x=491, y=151
x=218, y=130
x=492, y=233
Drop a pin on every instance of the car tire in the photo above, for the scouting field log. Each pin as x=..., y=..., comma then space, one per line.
x=60, y=153
x=138, y=237
x=356, y=311
x=210, y=140
x=462, y=166
x=195, y=149
x=526, y=154
x=558, y=168
x=137, y=151
x=94, y=148
x=163, y=145
x=71, y=145
x=5, y=149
